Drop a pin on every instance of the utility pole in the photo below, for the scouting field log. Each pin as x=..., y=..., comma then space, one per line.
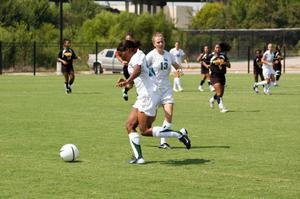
x=61, y=22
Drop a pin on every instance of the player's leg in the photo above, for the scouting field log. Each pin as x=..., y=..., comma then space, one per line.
x=177, y=81
x=66, y=77
x=134, y=138
x=200, y=88
x=71, y=79
x=265, y=82
x=255, y=87
x=211, y=88
x=159, y=131
x=167, y=124
x=175, y=87
x=219, y=89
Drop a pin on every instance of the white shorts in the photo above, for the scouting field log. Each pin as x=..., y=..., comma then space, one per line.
x=267, y=72
x=166, y=96
x=147, y=104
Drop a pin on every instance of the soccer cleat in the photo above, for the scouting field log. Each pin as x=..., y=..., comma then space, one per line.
x=200, y=88
x=70, y=89
x=180, y=90
x=175, y=90
x=125, y=96
x=165, y=146
x=255, y=88
x=137, y=161
x=184, y=138
x=211, y=103
x=224, y=110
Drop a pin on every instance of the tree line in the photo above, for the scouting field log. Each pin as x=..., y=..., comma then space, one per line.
x=23, y=21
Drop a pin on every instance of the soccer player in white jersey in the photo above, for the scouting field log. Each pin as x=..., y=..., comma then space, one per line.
x=179, y=56
x=268, y=71
x=161, y=62
x=144, y=109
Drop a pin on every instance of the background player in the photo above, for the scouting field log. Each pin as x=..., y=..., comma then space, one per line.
x=268, y=70
x=218, y=64
x=129, y=36
x=66, y=57
x=144, y=110
x=205, y=63
x=257, y=68
x=277, y=64
x=179, y=56
x=161, y=62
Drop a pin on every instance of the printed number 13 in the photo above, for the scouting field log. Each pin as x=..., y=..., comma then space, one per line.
x=163, y=65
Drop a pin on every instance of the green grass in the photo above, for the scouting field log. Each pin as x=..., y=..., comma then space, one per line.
x=251, y=152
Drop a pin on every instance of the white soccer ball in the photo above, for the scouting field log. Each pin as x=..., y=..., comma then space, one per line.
x=69, y=152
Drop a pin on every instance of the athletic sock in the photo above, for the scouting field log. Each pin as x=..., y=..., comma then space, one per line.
x=126, y=90
x=158, y=131
x=220, y=102
x=262, y=83
x=202, y=82
x=208, y=82
x=134, y=140
x=166, y=125
x=215, y=97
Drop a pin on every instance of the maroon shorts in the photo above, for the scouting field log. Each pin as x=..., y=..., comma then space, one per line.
x=218, y=79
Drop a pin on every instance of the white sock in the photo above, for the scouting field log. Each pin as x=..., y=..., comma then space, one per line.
x=221, y=106
x=179, y=84
x=271, y=84
x=175, y=84
x=158, y=131
x=262, y=83
x=134, y=140
x=166, y=125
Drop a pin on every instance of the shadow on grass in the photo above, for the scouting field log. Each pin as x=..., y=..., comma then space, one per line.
x=180, y=162
x=76, y=162
x=193, y=147
x=295, y=93
x=87, y=93
x=243, y=111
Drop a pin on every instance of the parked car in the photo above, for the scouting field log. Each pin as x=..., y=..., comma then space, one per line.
x=106, y=60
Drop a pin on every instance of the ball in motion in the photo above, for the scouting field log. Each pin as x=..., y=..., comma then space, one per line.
x=69, y=152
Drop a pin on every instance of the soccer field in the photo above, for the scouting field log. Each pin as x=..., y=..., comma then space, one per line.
x=250, y=152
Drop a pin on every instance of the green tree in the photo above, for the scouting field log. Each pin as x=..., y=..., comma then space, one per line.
x=212, y=15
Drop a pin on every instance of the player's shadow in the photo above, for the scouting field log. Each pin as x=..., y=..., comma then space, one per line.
x=87, y=93
x=295, y=93
x=244, y=111
x=194, y=147
x=180, y=162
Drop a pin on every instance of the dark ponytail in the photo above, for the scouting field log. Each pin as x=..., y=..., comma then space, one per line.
x=128, y=44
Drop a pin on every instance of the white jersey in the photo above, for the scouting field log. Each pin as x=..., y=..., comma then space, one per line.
x=143, y=83
x=161, y=64
x=178, y=54
x=268, y=56
x=147, y=94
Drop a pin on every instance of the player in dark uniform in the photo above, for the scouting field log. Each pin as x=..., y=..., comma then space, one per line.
x=257, y=69
x=125, y=90
x=205, y=62
x=66, y=57
x=218, y=64
x=277, y=64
